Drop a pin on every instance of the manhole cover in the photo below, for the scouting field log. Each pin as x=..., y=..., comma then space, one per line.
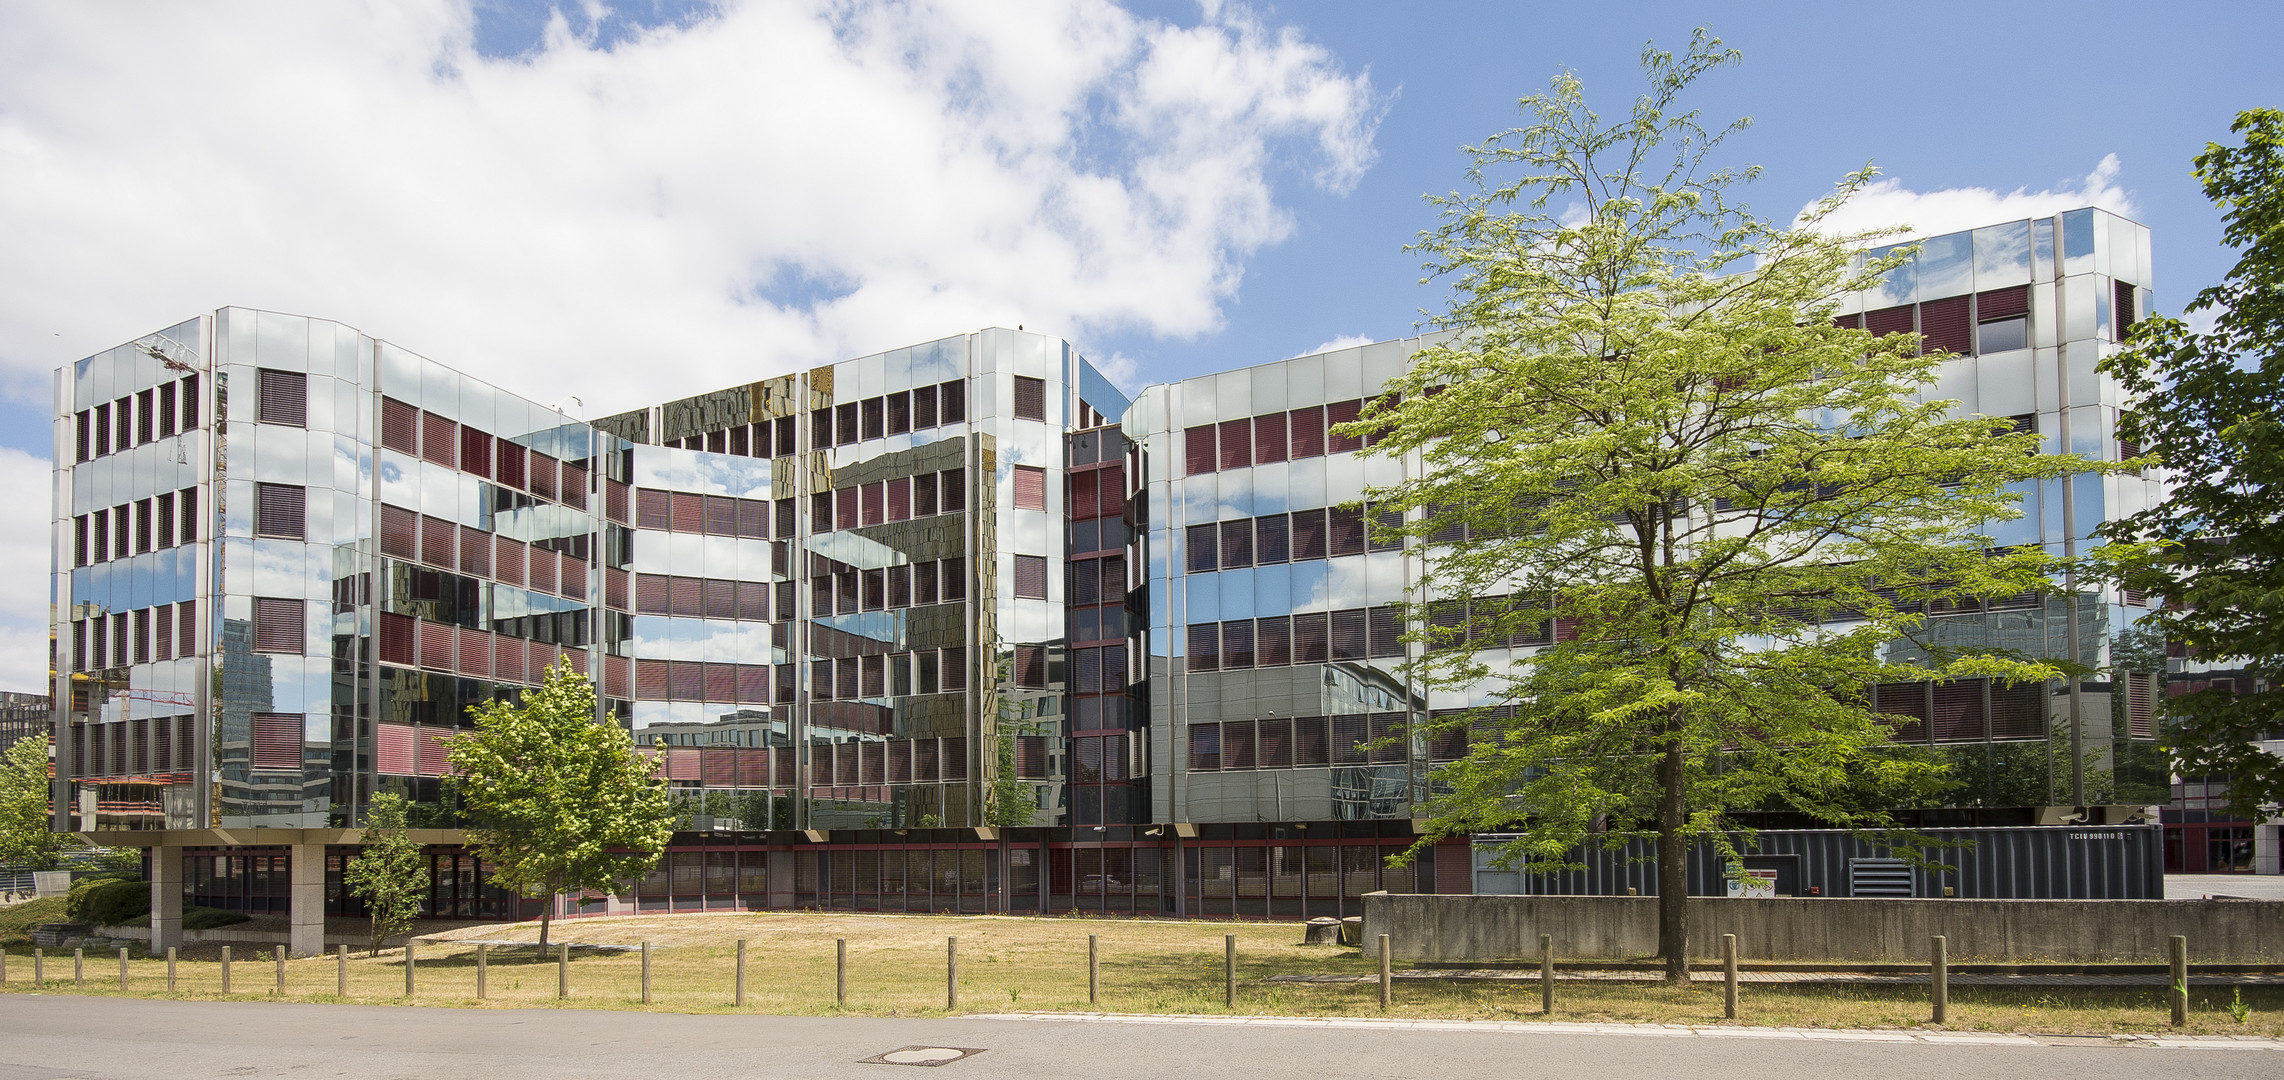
x=921, y=1055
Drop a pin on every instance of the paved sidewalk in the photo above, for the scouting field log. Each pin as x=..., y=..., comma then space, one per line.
x=1811, y=978
x=2200, y=886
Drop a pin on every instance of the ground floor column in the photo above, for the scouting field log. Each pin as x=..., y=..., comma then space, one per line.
x=166, y=899
x=307, y=936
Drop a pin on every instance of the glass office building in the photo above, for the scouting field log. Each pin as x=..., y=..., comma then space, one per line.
x=950, y=627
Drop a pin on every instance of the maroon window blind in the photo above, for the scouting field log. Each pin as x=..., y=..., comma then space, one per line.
x=277, y=742
x=2018, y=711
x=280, y=511
x=1269, y=438
x=439, y=440
x=873, y=418
x=284, y=398
x=1030, y=488
x=1336, y=414
x=1885, y=321
x=1959, y=711
x=1346, y=530
x=1030, y=398
x=277, y=625
x=1205, y=647
x=1084, y=486
x=2001, y=303
x=2125, y=314
x=186, y=628
x=1348, y=635
x=475, y=452
x=952, y=490
x=1906, y=706
x=1031, y=577
x=513, y=464
x=1947, y=325
x=1236, y=443
x=1198, y=454
x=438, y=542
x=191, y=410
x=952, y=402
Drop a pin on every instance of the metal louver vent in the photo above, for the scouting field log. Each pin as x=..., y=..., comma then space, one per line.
x=1879, y=877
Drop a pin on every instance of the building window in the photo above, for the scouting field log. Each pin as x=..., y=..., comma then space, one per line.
x=1030, y=487
x=1031, y=577
x=277, y=625
x=1030, y=398
x=277, y=742
x=284, y=398
x=2002, y=335
x=281, y=511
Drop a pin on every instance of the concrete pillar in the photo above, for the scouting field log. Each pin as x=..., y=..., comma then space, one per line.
x=166, y=899
x=307, y=934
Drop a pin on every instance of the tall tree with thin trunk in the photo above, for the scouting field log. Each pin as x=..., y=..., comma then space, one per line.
x=558, y=801
x=390, y=873
x=1673, y=520
x=27, y=835
x=2210, y=407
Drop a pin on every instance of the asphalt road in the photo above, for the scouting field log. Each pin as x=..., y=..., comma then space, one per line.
x=48, y=1037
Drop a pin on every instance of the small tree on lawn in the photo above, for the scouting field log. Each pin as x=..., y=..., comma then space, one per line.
x=556, y=801
x=26, y=838
x=1650, y=450
x=390, y=873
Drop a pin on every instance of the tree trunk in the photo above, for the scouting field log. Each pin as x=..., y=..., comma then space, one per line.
x=546, y=914
x=1672, y=868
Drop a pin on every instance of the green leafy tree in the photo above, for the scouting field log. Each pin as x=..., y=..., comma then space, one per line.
x=25, y=836
x=390, y=873
x=2209, y=405
x=1647, y=442
x=556, y=801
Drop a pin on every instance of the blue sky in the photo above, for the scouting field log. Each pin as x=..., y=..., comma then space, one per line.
x=644, y=200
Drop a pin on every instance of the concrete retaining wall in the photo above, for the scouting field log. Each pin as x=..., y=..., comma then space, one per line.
x=1477, y=928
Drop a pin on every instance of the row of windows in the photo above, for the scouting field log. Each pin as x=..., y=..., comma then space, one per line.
x=712, y=598
x=1096, y=493
x=409, y=642
x=1298, y=742
x=474, y=552
x=1312, y=638
x=942, y=581
x=143, y=746
x=690, y=680
x=899, y=413
x=141, y=636
x=857, y=763
x=901, y=499
x=1966, y=710
x=442, y=441
x=747, y=440
x=135, y=528
x=1294, y=537
x=138, y=418
x=854, y=678
x=712, y=515
x=1271, y=437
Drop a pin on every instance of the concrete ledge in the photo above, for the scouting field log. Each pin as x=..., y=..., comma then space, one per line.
x=226, y=936
x=1463, y=929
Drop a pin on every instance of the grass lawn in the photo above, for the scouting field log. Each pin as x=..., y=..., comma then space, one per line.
x=896, y=967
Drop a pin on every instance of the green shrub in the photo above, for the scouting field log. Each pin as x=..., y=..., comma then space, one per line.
x=206, y=918
x=108, y=901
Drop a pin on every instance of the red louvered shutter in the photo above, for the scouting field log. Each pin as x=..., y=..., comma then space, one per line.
x=2124, y=312
x=1236, y=443
x=1031, y=666
x=277, y=625
x=1030, y=398
x=615, y=588
x=475, y=552
x=400, y=533
x=399, y=639
x=284, y=398
x=873, y=499
x=1269, y=438
x=618, y=676
x=1947, y=325
x=541, y=569
x=650, y=682
x=508, y=560
x=546, y=476
x=1959, y=711
x=475, y=653
x=1031, y=577
x=1198, y=454
x=438, y=647
x=439, y=440
x=1083, y=486
x=1336, y=414
x=277, y=742
x=439, y=542
x=1885, y=321
x=431, y=749
x=616, y=498
x=1030, y=488
x=400, y=427
x=2002, y=303
x=475, y=452
x=512, y=465
x=393, y=753
x=574, y=489
x=899, y=499
x=280, y=511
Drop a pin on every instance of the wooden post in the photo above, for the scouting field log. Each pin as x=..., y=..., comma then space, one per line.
x=409, y=961
x=122, y=970
x=951, y=973
x=39, y=969
x=1229, y=970
x=341, y=971
x=1939, y=971
x=740, y=999
x=170, y=968
x=483, y=969
x=281, y=970
x=1386, y=978
x=562, y=970
x=1729, y=975
x=2179, y=993
x=79, y=969
x=1093, y=969
x=1546, y=974
x=646, y=972
x=840, y=971
x=225, y=969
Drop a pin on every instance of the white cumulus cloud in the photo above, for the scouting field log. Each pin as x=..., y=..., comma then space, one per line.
x=769, y=186
x=1345, y=341
x=1886, y=204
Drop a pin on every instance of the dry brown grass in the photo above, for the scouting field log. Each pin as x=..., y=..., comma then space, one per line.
x=896, y=968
